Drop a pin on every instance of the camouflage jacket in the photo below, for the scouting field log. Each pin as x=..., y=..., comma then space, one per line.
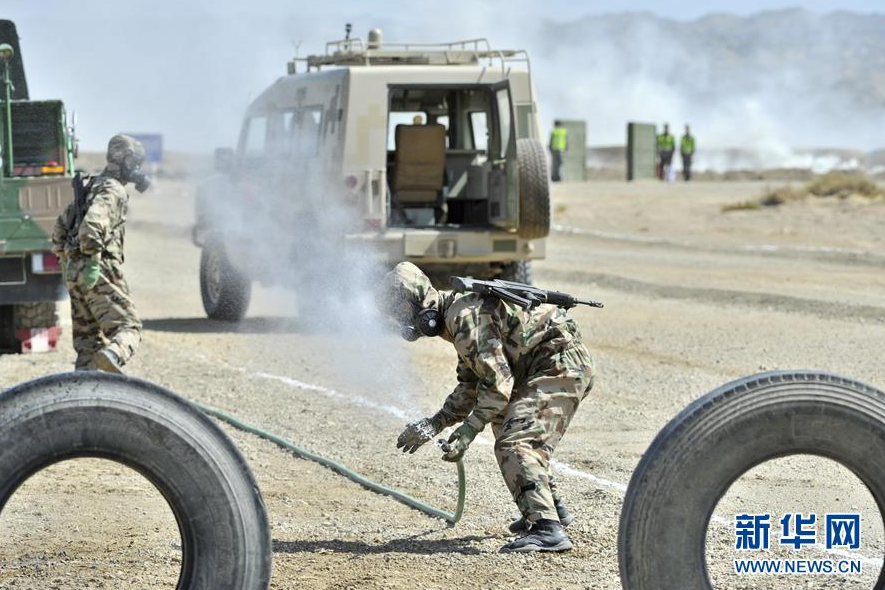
x=500, y=347
x=102, y=230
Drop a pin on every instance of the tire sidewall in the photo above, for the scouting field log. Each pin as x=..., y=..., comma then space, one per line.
x=199, y=471
x=232, y=293
x=696, y=458
x=534, y=189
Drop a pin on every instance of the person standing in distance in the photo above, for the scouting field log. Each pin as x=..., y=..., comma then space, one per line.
x=686, y=149
x=558, y=147
x=666, y=147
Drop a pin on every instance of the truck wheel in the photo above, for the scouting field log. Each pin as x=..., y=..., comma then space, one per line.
x=697, y=456
x=534, y=189
x=518, y=272
x=8, y=343
x=225, y=291
x=43, y=314
x=225, y=535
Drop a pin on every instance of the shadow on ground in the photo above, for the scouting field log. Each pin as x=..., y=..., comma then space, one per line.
x=462, y=545
x=279, y=325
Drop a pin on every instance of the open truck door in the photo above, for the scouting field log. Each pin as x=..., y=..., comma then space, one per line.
x=503, y=180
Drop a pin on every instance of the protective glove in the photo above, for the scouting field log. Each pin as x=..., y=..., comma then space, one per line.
x=459, y=441
x=418, y=433
x=91, y=272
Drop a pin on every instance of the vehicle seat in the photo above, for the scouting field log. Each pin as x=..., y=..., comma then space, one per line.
x=419, y=167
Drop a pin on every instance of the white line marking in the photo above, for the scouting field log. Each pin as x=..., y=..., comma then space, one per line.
x=350, y=398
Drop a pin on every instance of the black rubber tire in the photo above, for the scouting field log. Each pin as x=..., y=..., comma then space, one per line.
x=225, y=536
x=224, y=290
x=43, y=314
x=697, y=456
x=518, y=272
x=534, y=189
x=8, y=343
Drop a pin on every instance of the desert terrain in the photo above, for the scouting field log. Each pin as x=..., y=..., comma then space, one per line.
x=694, y=298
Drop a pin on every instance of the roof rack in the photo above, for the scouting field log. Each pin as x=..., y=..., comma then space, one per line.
x=356, y=52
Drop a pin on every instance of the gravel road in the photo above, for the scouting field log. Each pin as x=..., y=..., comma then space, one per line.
x=694, y=298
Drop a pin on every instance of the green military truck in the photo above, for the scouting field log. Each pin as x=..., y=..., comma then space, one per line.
x=36, y=164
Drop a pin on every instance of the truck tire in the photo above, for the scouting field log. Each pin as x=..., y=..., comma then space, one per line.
x=8, y=342
x=518, y=272
x=697, y=456
x=534, y=189
x=225, y=536
x=224, y=290
x=43, y=314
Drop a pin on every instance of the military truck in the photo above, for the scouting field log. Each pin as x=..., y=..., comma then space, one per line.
x=37, y=153
x=431, y=152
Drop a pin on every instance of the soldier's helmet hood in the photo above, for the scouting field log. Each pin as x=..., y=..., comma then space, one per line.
x=406, y=291
x=121, y=147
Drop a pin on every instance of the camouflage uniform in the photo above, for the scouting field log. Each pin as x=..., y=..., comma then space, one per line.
x=523, y=372
x=103, y=316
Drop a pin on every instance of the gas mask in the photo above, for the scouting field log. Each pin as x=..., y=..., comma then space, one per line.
x=141, y=180
x=133, y=173
x=426, y=322
x=429, y=322
x=127, y=154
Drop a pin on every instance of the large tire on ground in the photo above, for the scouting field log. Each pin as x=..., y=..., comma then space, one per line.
x=43, y=314
x=225, y=536
x=518, y=272
x=534, y=189
x=700, y=453
x=225, y=290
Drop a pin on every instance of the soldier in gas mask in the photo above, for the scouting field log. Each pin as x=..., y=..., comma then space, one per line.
x=523, y=372
x=88, y=239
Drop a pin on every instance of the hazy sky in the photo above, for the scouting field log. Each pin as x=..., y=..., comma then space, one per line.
x=189, y=68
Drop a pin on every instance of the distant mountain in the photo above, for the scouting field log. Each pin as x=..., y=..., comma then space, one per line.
x=810, y=79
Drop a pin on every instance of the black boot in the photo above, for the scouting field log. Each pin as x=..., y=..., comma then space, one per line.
x=520, y=525
x=545, y=535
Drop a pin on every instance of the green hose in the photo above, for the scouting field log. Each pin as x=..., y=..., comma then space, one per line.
x=450, y=517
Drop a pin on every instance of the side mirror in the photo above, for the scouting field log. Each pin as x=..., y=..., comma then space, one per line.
x=224, y=160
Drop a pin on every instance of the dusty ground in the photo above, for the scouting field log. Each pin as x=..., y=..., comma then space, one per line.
x=694, y=298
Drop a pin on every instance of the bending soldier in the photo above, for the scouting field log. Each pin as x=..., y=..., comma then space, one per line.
x=88, y=239
x=523, y=372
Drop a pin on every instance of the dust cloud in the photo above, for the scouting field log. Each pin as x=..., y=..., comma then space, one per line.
x=284, y=220
x=767, y=83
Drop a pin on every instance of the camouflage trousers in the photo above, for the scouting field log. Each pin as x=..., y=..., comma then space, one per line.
x=527, y=432
x=103, y=316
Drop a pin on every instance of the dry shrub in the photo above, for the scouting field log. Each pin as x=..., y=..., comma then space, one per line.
x=844, y=184
x=832, y=184
x=742, y=206
x=781, y=195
